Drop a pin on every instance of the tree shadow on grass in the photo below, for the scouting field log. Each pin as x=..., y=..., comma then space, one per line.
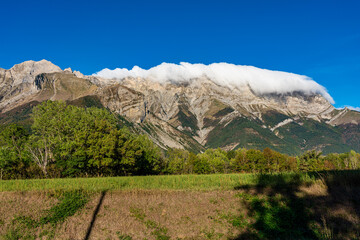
x=276, y=208
x=341, y=206
x=280, y=209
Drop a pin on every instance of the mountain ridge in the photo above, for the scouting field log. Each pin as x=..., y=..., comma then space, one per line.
x=193, y=114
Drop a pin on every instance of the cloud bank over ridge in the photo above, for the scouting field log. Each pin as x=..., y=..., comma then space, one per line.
x=261, y=81
x=353, y=108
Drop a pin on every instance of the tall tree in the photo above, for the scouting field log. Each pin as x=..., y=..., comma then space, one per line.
x=13, y=155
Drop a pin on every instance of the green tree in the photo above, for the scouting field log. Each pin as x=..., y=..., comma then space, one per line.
x=257, y=160
x=48, y=128
x=201, y=165
x=311, y=161
x=69, y=135
x=136, y=155
x=82, y=141
x=178, y=161
x=153, y=161
x=354, y=160
x=14, y=159
x=240, y=163
x=215, y=160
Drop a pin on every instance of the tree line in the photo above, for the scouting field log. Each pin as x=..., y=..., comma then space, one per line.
x=70, y=141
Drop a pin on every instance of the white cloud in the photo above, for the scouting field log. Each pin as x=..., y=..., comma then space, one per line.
x=262, y=81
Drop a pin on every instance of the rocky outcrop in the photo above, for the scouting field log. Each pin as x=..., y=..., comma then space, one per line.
x=18, y=83
x=191, y=107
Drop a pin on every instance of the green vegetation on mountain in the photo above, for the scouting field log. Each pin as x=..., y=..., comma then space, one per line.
x=292, y=138
x=216, y=110
x=350, y=134
x=248, y=133
x=310, y=134
x=19, y=115
x=187, y=120
x=87, y=101
x=271, y=118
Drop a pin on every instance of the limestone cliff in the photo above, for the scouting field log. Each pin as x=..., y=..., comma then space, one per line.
x=193, y=115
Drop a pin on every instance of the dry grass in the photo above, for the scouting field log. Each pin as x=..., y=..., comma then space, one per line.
x=185, y=214
x=14, y=204
x=195, y=214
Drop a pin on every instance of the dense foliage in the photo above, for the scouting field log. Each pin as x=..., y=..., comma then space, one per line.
x=256, y=161
x=70, y=141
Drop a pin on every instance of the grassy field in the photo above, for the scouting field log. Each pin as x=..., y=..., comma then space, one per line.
x=165, y=182
x=323, y=206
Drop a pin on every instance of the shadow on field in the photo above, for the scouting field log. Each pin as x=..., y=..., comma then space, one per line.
x=341, y=205
x=280, y=208
x=95, y=213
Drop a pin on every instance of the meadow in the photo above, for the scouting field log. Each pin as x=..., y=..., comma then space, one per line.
x=160, y=182
x=313, y=205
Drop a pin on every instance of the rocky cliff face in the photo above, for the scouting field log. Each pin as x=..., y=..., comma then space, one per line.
x=18, y=83
x=198, y=107
x=191, y=115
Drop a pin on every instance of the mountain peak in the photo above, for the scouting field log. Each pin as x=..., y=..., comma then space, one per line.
x=41, y=66
x=26, y=72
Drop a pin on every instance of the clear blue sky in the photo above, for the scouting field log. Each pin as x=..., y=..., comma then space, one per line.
x=320, y=39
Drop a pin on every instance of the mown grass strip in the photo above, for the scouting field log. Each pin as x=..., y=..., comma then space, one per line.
x=164, y=182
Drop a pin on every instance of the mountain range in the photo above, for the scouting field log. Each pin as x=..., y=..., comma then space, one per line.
x=197, y=113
